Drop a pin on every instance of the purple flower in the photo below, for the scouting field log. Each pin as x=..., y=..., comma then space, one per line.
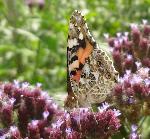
x=38, y=85
x=45, y=114
x=143, y=44
x=28, y=103
x=32, y=3
x=7, y=114
x=39, y=117
x=116, y=112
x=134, y=136
x=104, y=107
x=14, y=133
x=52, y=133
x=131, y=48
x=134, y=128
x=33, y=130
x=146, y=30
x=111, y=42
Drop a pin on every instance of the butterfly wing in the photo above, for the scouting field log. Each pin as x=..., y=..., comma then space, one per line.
x=87, y=82
x=80, y=45
x=98, y=77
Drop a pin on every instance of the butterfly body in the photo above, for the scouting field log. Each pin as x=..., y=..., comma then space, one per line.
x=91, y=74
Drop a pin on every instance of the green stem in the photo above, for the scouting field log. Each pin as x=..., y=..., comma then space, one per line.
x=36, y=59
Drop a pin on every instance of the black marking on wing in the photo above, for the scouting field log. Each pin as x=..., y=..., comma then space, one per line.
x=81, y=66
x=107, y=75
x=69, y=88
x=74, y=49
x=74, y=58
x=92, y=76
x=82, y=43
x=73, y=72
x=83, y=75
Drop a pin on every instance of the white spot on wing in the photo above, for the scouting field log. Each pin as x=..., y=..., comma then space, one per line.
x=74, y=65
x=96, y=75
x=71, y=26
x=72, y=42
x=82, y=80
x=81, y=36
x=86, y=69
x=93, y=39
x=86, y=25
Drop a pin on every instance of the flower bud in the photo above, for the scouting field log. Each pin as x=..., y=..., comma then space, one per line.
x=7, y=114
x=146, y=62
x=143, y=44
x=52, y=133
x=36, y=92
x=40, y=106
x=117, y=45
x=118, y=90
x=33, y=130
x=23, y=117
x=41, y=3
x=42, y=124
x=17, y=93
x=128, y=62
x=136, y=35
x=73, y=135
x=145, y=91
x=111, y=42
x=129, y=91
x=14, y=133
x=128, y=45
x=126, y=83
x=30, y=3
x=116, y=56
x=137, y=88
x=146, y=30
x=3, y=131
x=8, y=89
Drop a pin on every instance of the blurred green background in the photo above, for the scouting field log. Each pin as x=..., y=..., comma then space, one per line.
x=33, y=34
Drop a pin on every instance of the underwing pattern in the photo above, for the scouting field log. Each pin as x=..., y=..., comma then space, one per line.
x=90, y=72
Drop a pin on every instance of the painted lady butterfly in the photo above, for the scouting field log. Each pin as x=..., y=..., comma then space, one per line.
x=90, y=72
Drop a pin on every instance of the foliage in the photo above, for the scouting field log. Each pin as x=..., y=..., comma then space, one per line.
x=33, y=35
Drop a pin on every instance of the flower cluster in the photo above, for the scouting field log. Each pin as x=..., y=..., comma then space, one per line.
x=132, y=94
x=128, y=48
x=33, y=3
x=28, y=112
x=131, y=55
x=82, y=123
x=20, y=104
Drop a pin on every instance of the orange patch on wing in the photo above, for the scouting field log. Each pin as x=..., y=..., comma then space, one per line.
x=77, y=76
x=82, y=55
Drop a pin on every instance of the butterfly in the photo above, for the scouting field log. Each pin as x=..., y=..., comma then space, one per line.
x=90, y=72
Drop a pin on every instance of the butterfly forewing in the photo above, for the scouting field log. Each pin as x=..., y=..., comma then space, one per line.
x=80, y=45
